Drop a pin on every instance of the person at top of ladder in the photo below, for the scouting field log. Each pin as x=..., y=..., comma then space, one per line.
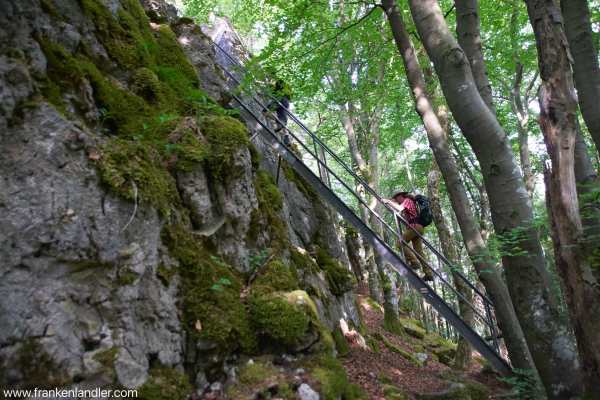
x=283, y=95
x=405, y=204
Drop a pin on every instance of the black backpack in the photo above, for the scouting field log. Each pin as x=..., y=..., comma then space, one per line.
x=425, y=217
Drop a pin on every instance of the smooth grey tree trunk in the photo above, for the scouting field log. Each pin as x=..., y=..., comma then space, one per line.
x=558, y=121
x=469, y=39
x=585, y=63
x=529, y=283
x=490, y=276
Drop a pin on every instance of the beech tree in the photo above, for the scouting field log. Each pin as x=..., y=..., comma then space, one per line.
x=528, y=280
x=558, y=120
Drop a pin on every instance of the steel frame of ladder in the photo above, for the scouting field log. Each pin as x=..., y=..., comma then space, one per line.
x=491, y=354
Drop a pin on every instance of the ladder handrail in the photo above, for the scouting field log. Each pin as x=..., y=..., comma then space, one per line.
x=479, y=343
x=362, y=182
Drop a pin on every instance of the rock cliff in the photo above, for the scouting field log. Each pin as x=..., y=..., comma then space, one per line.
x=144, y=242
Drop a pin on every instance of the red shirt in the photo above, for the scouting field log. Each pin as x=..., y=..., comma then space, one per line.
x=410, y=211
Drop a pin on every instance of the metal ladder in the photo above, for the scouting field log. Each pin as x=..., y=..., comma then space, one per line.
x=331, y=186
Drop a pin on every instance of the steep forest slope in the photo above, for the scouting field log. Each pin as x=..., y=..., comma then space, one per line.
x=144, y=242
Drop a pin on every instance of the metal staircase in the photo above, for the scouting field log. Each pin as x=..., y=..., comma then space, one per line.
x=316, y=168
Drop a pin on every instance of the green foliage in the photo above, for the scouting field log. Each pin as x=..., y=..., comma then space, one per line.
x=526, y=382
x=165, y=384
x=257, y=260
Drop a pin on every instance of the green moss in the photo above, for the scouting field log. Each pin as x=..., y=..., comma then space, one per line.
x=481, y=360
x=172, y=55
x=476, y=390
x=413, y=328
x=191, y=151
x=339, y=278
x=391, y=322
x=391, y=392
x=127, y=279
x=374, y=305
x=225, y=135
x=37, y=368
x=107, y=358
x=210, y=291
x=128, y=39
x=331, y=374
x=384, y=379
x=125, y=163
x=145, y=84
x=265, y=218
x=396, y=349
x=273, y=277
x=48, y=8
x=418, y=348
x=341, y=345
x=303, y=262
x=293, y=176
x=373, y=344
x=257, y=378
x=165, y=384
x=165, y=274
x=269, y=189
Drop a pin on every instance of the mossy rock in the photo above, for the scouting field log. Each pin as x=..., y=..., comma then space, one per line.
x=252, y=378
x=333, y=380
x=476, y=390
x=265, y=217
x=225, y=135
x=341, y=345
x=281, y=312
x=374, y=305
x=391, y=322
x=412, y=328
x=443, y=350
x=373, y=344
x=396, y=349
x=418, y=348
x=269, y=189
x=391, y=392
x=210, y=290
x=339, y=278
x=306, y=188
x=165, y=384
x=457, y=391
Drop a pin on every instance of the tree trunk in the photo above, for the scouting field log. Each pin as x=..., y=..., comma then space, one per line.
x=463, y=353
x=469, y=39
x=587, y=190
x=585, y=63
x=482, y=262
x=528, y=280
x=558, y=121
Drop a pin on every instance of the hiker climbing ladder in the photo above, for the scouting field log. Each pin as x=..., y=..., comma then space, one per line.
x=325, y=180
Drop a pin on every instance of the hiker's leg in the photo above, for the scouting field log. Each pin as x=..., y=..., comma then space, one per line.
x=408, y=236
x=417, y=245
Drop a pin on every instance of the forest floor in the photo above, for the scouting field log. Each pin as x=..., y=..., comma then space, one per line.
x=365, y=366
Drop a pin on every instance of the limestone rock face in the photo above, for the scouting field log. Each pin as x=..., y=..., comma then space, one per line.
x=201, y=53
x=73, y=280
x=91, y=294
